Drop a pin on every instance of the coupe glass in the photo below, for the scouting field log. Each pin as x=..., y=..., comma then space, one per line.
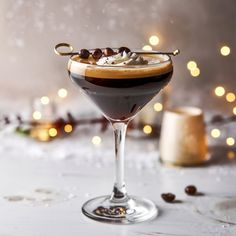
x=120, y=92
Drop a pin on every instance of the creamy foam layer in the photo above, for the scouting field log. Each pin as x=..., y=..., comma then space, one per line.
x=157, y=65
x=122, y=59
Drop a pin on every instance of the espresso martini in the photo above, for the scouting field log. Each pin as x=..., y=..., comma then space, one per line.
x=120, y=82
x=120, y=85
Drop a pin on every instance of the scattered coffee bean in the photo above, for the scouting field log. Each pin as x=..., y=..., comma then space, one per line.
x=168, y=197
x=108, y=52
x=84, y=53
x=123, y=49
x=97, y=54
x=190, y=190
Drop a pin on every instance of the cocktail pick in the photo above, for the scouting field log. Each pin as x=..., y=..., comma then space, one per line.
x=71, y=53
x=174, y=53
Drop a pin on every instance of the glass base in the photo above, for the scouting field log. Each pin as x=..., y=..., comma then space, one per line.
x=131, y=210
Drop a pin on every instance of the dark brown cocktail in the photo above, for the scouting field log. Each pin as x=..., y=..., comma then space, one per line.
x=121, y=91
x=120, y=83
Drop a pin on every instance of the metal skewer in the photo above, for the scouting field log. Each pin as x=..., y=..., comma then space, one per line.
x=71, y=53
x=174, y=53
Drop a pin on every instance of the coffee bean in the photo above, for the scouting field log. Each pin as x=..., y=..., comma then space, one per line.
x=84, y=53
x=97, y=54
x=168, y=197
x=190, y=190
x=108, y=52
x=123, y=49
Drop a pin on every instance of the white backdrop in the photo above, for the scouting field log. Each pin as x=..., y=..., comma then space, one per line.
x=30, y=29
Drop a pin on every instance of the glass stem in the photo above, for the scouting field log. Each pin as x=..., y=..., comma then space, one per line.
x=119, y=193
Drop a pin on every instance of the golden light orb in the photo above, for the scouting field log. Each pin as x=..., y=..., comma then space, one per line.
x=147, y=129
x=62, y=93
x=231, y=155
x=96, y=140
x=215, y=133
x=44, y=100
x=225, y=50
x=230, y=97
x=219, y=91
x=147, y=48
x=158, y=107
x=195, y=72
x=68, y=128
x=234, y=110
x=37, y=115
x=230, y=141
x=52, y=132
x=191, y=65
x=154, y=40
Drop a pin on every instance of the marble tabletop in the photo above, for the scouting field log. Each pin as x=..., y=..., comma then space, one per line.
x=43, y=186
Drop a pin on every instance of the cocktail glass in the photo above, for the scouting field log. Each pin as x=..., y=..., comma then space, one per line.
x=120, y=92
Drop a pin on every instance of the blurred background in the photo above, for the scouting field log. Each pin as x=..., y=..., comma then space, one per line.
x=204, y=31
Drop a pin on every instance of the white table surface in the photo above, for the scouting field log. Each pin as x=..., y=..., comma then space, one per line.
x=43, y=186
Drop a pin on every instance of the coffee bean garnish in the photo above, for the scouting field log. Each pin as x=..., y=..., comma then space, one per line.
x=108, y=52
x=97, y=54
x=123, y=49
x=190, y=190
x=84, y=53
x=168, y=197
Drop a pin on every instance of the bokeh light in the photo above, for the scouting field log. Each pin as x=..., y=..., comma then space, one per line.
x=37, y=115
x=231, y=155
x=225, y=50
x=230, y=97
x=234, y=110
x=68, y=128
x=147, y=48
x=154, y=40
x=44, y=100
x=191, y=65
x=230, y=141
x=215, y=133
x=62, y=93
x=195, y=72
x=158, y=107
x=219, y=91
x=96, y=140
x=52, y=132
x=147, y=129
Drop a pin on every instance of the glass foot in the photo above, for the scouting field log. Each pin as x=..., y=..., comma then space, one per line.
x=131, y=210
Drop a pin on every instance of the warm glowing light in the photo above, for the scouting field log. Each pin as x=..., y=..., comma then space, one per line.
x=154, y=40
x=52, y=132
x=62, y=93
x=191, y=65
x=230, y=97
x=195, y=72
x=44, y=100
x=234, y=110
x=215, y=133
x=37, y=115
x=230, y=141
x=147, y=129
x=96, y=140
x=231, y=155
x=158, y=107
x=219, y=91
x=147, y=48
x=40, y=132
x=225, y=51
x=68, y=128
